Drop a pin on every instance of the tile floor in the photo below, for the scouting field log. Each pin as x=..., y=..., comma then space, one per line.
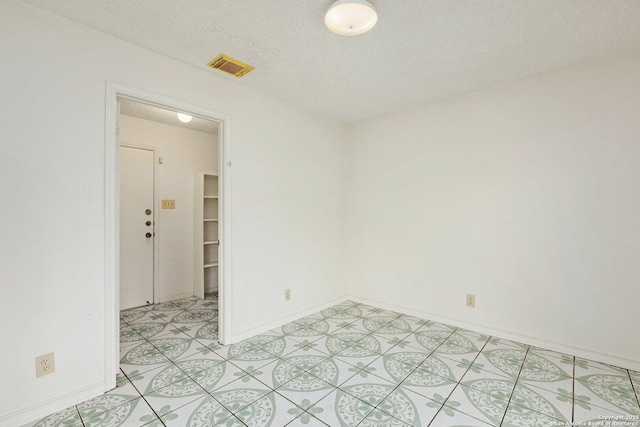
x=349, y=365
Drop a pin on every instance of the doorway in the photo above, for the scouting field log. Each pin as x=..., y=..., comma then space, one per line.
x=136, y=226
x=112, y=225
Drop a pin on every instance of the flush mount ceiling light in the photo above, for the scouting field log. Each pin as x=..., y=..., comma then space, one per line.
x=351, y=17
x=184, y=118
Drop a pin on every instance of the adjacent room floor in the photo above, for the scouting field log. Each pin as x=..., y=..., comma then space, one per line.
x=349, y=365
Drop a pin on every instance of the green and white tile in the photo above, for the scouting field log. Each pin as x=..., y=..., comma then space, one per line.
x=202, y=412
x=432, y=386
x=305, y=419
x=111, y=411
x=589, y=367
x=238, y=396
x=305, y=392
x=231, y=374
x=341, y=409
x=505, y=361
x=448, y=417
x=371, y=390
x=66, y=418
x=342, y=311
x=518, y=416
x=175, y=395
x=410, y=408
x=612, y=392
x=429, y=339
x=260, y=347
x=553, y=405
x=270, y=410
x=481, y=405
x=175, y=305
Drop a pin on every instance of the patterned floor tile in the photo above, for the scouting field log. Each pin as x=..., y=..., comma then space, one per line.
x=479, y=404
x=432, y=386
x=448, y=417
x=557, y=406
x=585, y=412
x=340, y=409
x=458, y=347
x=588, y=367
x=175, y=348
x=428, y=339
x=556, y=384
x=342, y=311
x=305, y=392
x=105, y=412
x=173, y=396
x=370, y=389
x=68, y=418
x=410, y=408
x=230, y=375
x=519, y=416
x=506, y=361
x=306, y=420
x=612, y=392
x=204, y=411
x=344, y=325
x=270, y=410
x=445, y=367
x=350, y=364
x=275, y=373
x=414, y=323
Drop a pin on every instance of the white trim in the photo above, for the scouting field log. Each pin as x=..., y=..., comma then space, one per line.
x=112, y=240
x=250, y=332
x=112, y=226
x=48, y=407
x=174, y=297
x=514, y=336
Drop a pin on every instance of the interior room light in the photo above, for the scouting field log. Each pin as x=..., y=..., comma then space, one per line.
x=351, y=17
x=184, y=118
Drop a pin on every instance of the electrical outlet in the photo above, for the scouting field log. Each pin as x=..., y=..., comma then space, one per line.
x=45, y=364
x=168, y=204
x=471, y=300
x=287, y=294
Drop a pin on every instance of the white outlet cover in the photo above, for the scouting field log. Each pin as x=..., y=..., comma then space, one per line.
x=45, y=364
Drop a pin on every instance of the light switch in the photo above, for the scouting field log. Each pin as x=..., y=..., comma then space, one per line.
x=168, y=204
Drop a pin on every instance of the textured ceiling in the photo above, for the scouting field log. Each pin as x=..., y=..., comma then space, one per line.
x=421, y=51
x=168, y=117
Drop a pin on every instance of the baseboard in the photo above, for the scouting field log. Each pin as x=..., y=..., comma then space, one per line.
x=48, y=407
x=250, y=332
x=174, y=297
x=511, y=335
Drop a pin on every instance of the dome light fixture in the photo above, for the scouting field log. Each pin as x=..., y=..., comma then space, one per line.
x=351, y=17
x=184, y=118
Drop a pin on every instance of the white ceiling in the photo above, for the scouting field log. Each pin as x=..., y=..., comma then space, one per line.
x=420, y=51
x=132, y=108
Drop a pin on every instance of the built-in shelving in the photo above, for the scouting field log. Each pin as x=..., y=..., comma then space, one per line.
x=206, y=240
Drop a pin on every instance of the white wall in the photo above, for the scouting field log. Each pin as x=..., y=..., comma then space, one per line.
x=185, y=152
x=526, y=195
x=287, y=200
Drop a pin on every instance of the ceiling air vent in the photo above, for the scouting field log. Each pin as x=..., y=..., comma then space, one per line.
x=230, y=65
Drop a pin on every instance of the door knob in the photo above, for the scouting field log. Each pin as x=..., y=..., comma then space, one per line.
x=148, y=211
x=148, y=223
x=148, y=235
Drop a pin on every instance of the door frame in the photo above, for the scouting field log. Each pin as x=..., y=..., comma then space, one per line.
x=112, y=209
x=156, y=204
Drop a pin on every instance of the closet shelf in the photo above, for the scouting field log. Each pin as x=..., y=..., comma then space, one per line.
x=211, y=197
x=211, y=264
x=210, y=219
x=211, y=242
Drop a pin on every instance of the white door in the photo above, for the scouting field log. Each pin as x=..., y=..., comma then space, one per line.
x=136, y=227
